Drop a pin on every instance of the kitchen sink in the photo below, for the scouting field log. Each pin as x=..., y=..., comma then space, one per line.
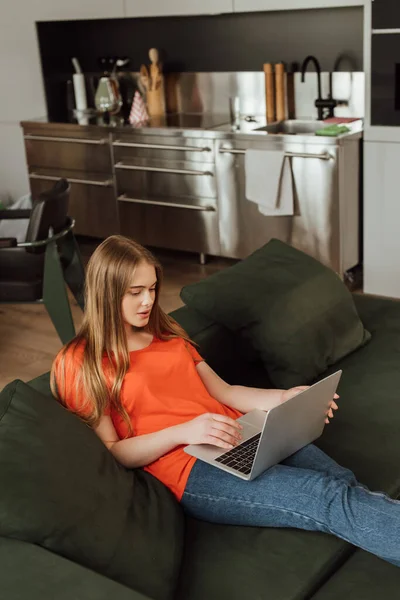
x=293, y=127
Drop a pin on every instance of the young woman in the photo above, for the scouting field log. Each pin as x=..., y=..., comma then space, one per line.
x=133, y=375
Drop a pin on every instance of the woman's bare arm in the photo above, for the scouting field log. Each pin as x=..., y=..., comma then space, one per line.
x=239, y=397
x=137, y=451
x=142, y=450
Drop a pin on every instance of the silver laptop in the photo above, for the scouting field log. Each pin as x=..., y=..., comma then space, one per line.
x=269, y=438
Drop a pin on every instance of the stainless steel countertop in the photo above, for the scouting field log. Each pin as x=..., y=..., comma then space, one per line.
x=208, y=126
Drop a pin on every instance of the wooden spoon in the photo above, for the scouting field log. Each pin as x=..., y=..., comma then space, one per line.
x=144, y=77
x=155, y=68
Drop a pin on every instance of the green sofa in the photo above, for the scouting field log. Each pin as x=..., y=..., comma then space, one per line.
x=184, y=559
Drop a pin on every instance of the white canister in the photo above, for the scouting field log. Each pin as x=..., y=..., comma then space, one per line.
x=80, y=91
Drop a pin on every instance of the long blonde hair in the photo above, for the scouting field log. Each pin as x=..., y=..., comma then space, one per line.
x=108, y=277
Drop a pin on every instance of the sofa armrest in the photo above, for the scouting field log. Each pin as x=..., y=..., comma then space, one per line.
x=8, y=242
x=29, y=571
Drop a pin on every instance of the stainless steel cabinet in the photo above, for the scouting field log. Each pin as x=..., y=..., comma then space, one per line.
x=326, y=193
x=84, y=158
x=92, y=202
x=167, y=191
x=57, y=149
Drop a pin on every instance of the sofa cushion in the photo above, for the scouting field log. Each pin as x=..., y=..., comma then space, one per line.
x=363, y=577
x=297, y=313
x=286, y=564
x=63, y=490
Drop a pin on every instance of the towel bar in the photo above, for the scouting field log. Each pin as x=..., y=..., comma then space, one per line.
x=322, y=156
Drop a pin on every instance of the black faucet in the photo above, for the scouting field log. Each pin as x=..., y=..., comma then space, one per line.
x=321, y=103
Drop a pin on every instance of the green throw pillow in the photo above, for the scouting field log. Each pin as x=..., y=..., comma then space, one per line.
x=63, y=490
x=297, y=314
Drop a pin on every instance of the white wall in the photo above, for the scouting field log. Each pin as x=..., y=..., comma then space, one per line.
x=21, y=92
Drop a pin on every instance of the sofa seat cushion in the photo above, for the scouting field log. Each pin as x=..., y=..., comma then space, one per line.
x=230, y=563
x=298, y=315
x=362, y=577
x=63, y=490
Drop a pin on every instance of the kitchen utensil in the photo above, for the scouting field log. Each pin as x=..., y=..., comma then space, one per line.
x=145, y=77
x=106, y=98
x=155, y=68
x=280, y=92
x=290, y=91
x=269, y=92
x=155, y=103
x=234, y=110
x=155, y=86
x=79, y=86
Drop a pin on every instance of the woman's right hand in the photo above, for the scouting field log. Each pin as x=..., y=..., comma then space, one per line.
x=214, y=429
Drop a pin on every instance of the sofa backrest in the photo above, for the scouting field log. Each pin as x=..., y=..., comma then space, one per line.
x=63, y=490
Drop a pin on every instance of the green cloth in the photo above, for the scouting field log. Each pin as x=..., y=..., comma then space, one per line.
x=62, y=489
x=296, y=313
x=333, y=130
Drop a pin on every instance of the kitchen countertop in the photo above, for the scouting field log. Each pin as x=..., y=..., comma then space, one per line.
x=195, y=125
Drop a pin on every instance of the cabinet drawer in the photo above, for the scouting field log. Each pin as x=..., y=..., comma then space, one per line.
x=92, y=201
x=149, y=178
x=129, y=147
x=166, y=226
x=53, y=151
x=386, y=14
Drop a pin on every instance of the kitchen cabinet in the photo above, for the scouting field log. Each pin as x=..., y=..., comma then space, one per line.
x=385, y=80
x=83, y=157
x=385, y=14
x=325, y=224
x=155, y=8
x=260, y=5
x=167, y=191
x=381, y=219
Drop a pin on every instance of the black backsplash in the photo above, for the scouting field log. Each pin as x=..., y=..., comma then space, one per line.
x=231, y=42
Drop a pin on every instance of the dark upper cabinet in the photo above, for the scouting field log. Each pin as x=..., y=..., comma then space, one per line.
x=385, y=80
x=386, y=14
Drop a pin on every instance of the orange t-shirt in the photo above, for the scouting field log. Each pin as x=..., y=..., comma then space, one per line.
x=162, y=388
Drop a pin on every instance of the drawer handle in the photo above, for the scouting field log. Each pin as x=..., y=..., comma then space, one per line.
x=106, y=183
x=42, y=138
x=125, y=198
x=121, y=165
x=322, y=156
x=385, y=31
x=121, y=144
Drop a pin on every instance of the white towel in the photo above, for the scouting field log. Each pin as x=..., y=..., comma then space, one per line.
x=269, y=182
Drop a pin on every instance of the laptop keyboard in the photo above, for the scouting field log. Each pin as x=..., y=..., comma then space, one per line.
x=242, y=457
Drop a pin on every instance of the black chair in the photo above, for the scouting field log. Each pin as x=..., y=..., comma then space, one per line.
x=38, y=269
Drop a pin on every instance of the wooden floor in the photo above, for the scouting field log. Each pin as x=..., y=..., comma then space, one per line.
x=28, y=341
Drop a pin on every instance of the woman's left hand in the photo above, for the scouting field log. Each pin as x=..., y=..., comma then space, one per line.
x=288, y=394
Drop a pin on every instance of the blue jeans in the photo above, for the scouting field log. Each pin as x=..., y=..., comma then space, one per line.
x=309, y=491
